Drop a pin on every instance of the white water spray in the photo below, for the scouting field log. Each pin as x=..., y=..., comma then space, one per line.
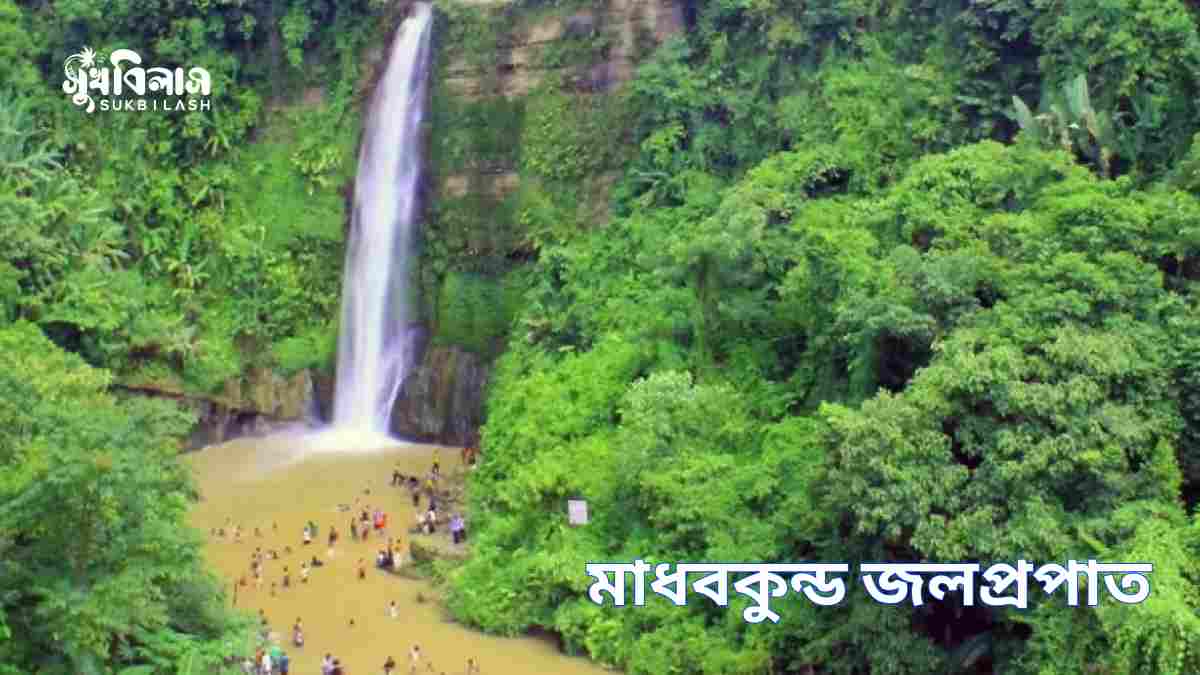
x=375, y=342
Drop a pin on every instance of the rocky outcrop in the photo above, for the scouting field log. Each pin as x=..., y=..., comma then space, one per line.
x=271, y=394
x=441, y=400
x=323, y=388
x=631, y=27
x=259, y=403
x=620, y=34
x=426, y=549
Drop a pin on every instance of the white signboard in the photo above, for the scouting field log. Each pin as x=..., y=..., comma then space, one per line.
x=577, y=512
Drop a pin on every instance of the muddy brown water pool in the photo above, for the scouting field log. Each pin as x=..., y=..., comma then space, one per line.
x=263, y=482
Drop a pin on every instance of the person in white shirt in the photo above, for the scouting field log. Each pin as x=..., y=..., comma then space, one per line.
x=414, y=656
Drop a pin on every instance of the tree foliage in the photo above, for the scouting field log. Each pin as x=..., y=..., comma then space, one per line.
x=99, y=570
x=839, y=316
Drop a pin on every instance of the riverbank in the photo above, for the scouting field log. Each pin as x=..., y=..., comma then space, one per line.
x=274, y=485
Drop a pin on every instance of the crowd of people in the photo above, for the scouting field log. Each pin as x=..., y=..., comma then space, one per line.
x=365, y=522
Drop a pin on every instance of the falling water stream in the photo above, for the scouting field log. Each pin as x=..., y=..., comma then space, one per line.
x=375, y=343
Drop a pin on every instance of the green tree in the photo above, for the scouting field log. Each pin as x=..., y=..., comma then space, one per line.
x=99, y=568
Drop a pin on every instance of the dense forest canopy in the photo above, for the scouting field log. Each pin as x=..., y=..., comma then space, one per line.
x=904, y=280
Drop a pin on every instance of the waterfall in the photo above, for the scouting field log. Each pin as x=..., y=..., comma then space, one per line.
x=376, y=336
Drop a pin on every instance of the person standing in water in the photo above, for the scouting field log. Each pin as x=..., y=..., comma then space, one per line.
x=457, y=529
x=414, y=489
x=333, y=537
x=414, y=656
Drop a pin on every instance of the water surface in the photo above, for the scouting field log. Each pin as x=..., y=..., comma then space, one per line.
x=264, y=482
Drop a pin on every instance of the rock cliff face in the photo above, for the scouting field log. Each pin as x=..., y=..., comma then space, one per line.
x=442, y=398
x=260, y=402
x=630, y=27
x=501, y=66
x=536, y=46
